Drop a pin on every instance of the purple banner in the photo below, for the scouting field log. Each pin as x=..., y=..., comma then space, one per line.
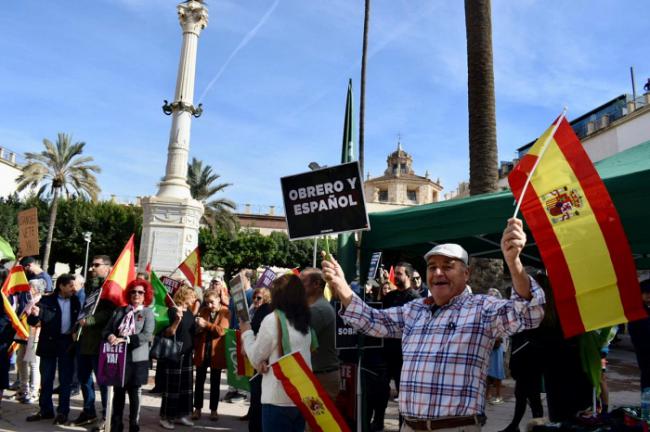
x=266, y=279
x=112, y=364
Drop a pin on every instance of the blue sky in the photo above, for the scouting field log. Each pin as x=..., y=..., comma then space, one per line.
x=279, y=71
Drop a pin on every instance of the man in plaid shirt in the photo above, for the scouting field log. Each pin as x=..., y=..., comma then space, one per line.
x=447, y=338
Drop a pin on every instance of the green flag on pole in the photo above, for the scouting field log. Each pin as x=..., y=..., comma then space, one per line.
x=159, y=305
x=6, y=253
x=346, y=247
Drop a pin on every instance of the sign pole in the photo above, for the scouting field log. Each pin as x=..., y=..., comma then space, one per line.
x=315, y=251
x=109, y=408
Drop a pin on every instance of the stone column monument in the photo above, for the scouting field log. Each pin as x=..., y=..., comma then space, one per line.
x=171, y=217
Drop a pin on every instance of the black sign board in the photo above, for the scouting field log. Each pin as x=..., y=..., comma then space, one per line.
x=89, y=305
x=374, y=265
x=325, y=201
x=347, y=337
x=239, y=298
x=172, y=285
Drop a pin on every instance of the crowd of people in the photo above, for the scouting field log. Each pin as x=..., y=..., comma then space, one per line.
x=443, y=346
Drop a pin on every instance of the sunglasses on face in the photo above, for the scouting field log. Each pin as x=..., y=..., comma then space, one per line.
x=98, y=264
x=135, y=292
x=258, y=298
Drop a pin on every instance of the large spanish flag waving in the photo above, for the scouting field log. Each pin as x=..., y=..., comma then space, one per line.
x=578, y=233
x=191, y=268
x=16, y=281
x=306, y=392
x=122, y=273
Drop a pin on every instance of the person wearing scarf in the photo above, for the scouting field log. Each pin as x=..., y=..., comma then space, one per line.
x=133, y=325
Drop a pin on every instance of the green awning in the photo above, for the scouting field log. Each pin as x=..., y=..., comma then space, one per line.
x=476, y=222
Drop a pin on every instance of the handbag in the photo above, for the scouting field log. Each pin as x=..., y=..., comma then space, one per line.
x=165, y=348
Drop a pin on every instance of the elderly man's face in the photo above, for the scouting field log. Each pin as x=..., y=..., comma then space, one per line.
x=446, y=278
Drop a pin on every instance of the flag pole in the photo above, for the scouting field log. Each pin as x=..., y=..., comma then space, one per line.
x=539, y=158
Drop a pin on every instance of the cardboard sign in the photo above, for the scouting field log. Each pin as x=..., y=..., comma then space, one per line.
x=347, y=337
x=112, y=364
x=89, y=305
x=325, y=201
x=374, y=265
x=28, y=232
x=266, y=279
x=239, y=298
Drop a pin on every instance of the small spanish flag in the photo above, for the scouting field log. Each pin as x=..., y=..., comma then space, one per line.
x=21, y=331
x=306, y=392
x=16, y=281
x=122, y=273
x=244, y=366
x=391, y=275
x=191, y=268
x=578, y=232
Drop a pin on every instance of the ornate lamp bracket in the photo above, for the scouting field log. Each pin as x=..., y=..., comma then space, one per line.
x=169, y=108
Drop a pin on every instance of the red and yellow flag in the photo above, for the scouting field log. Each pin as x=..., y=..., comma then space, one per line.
x=244, y=366
x=579, y=234
x=122, y=273
x=191, y=268
x=306, y=392
x=21, y=331
x=16, y=281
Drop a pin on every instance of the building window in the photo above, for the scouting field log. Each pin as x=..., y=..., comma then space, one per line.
x=383, y=195
x=412, y=195
x=403, y=169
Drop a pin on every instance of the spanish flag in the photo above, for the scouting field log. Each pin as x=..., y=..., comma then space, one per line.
x=244, y=366
x=122, y=273
x=191, y=268
x=16, y=281
x=21, y=331
x=306, y=392
x=578, y=232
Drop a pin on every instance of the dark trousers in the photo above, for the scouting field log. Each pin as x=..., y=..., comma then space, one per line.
x=277, y=418
x=215, y=382
x=48, y=369
x=119, y=398
x=86, y=365
x=527, y=389
x=255, y=407
x=377, y=392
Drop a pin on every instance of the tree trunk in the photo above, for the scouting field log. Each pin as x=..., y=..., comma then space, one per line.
x=50, y=229
x=483, y=163
x=362, y=95
x=483, y=155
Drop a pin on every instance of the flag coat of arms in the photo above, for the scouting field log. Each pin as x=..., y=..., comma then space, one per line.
x=122, y=273
x=302, y=387
x=578, y=233
x=191, y=268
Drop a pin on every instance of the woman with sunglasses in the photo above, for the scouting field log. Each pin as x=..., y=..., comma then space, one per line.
x=134, y=325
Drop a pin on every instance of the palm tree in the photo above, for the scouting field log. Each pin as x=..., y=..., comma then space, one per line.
x=218, y=212
x=58, y=171
x=483, y=163
x=483, y=174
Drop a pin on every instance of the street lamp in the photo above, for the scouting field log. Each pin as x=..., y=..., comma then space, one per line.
x=87, y=236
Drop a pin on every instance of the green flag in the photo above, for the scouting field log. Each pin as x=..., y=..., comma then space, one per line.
x=346, y=247
x=234, y=380
x=5, y=250
x=159, y=305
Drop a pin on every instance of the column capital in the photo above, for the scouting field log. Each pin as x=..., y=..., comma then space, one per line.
x=193, y=16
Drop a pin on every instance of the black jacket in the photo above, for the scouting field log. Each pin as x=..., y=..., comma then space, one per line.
x=49, y=316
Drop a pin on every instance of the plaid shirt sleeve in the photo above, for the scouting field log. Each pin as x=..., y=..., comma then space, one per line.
x=374, y=322
x=508, y=317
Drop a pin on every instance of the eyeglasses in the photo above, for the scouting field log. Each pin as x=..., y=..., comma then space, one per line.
x=258, y=298
x=98, y=264
x=417, y=278
x=134, y=292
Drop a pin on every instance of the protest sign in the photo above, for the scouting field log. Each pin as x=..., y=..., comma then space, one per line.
x=266, y=279
x=112, y=364
x=325, y=201
x=346, y=400
x=239, y=298
x=28, y=232
x=234, y=380
x=171, y=284
x=89, y=305
x=346, y=337
x=374, y=265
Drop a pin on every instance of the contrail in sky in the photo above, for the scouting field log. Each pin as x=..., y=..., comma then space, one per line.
x=250, y=35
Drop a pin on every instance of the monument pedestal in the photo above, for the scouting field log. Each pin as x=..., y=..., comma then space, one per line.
x=170, y=232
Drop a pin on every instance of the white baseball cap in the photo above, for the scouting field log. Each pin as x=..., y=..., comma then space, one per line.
x=451, y=250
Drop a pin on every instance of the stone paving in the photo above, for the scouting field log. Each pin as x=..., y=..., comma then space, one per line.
x=623, y=379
